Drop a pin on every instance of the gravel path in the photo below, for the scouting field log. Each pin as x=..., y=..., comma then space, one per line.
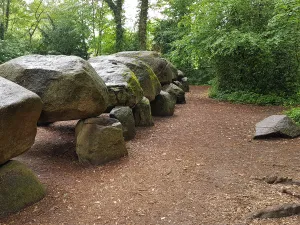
x=200, y=166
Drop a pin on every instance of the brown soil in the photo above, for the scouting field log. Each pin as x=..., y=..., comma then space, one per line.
x=200, y=166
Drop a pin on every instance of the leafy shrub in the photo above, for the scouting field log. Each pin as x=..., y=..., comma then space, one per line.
x=294, y=114
x=10, y=49
x=251, y=98
x=251, y=48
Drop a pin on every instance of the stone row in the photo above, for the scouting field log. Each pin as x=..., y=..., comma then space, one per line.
x=36, y=89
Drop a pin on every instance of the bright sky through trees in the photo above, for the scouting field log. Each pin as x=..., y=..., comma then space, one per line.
x=131, y=11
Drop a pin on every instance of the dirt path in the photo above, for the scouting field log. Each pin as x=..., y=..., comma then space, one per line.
x=197, y=167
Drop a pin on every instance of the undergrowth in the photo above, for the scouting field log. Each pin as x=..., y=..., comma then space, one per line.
x=294, y=114
x=254, y=98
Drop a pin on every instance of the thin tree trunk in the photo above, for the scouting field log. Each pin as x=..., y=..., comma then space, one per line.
x=116, y=8
x=119, y=32
x=143, y=18
x=7, y=14
x=4, y=21
x=35, y=25
x=2, y=31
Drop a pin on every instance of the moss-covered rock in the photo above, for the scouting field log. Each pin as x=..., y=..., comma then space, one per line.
x=163, y=105
x=163, y=69
x=185, y=84
x=147, y=78
x=68, y=85
x=123, y=86
x=125, y=116
x=99, y=140
x=19, y=187
x=142, y=114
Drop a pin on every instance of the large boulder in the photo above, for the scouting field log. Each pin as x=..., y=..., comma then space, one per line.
x=277, y=126
x=163, y=69
x=123, y=86
x=19, y=188
x=176, y=92
x=125, y=116
x=20, y=110
x=142, y=114
x=147, y=78
x=163, y=105
x=68, y=85
x=99, y=140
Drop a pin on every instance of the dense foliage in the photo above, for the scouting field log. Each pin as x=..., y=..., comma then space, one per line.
x=294, y=114
x=71, y=27
x=249, y=51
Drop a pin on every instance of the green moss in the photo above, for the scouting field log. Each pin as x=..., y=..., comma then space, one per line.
x=19, y=187
x=134, y=86
x=153, y=76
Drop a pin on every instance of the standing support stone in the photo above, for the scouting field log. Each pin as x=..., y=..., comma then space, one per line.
x=163, y=105
x=176, y=92
x=99, y=140
x=185, y=84
x=125, y=116
x=19, y=187
x=142, y=114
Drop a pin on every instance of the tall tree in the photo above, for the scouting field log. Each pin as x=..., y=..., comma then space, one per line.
x=36, y=14
x=116, y=7
x=102, y=28
x=4, y=17
x=143, y=17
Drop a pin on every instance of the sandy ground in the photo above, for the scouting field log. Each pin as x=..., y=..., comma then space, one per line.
x=200, y=166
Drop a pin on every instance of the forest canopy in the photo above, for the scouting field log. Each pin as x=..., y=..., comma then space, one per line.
x=248, y=51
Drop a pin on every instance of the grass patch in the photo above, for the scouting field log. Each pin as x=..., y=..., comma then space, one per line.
x=254, y=98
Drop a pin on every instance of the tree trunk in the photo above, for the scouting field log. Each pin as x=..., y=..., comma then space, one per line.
x=4, y=21
x=119, y=32
x=143, y=18
x=7, y=14
x=116, y=8
x=2, y=31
